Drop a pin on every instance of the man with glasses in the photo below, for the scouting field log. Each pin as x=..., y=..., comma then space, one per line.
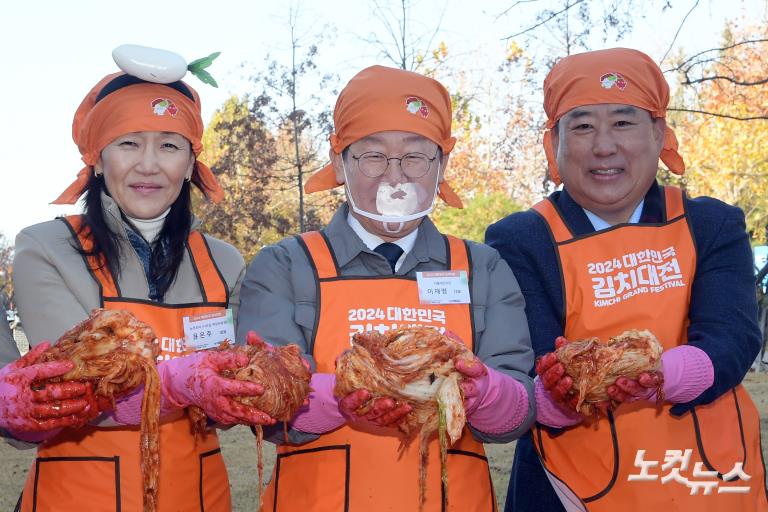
x=374, y=268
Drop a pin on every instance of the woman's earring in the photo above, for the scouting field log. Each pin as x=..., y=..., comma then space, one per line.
x=97, y=173
x=188, y=178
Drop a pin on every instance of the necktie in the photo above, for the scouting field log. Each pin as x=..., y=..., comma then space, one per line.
x=391, y=252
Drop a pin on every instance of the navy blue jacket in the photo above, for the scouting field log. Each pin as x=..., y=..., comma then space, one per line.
x=722, y=312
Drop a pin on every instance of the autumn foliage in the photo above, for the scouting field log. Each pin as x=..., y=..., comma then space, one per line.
x=727, y=156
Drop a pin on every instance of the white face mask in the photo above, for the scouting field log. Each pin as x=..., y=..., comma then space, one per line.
x=396, y=204
x=398, y=200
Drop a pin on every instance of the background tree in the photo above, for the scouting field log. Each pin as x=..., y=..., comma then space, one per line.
x=300, y=116
x=264, y=145
x=410, y=43
x=471, y=170
x=478, y=213
x=727, y=156
x=402, y=37
x=706, y=77
x=242, y=152
x=564, y=27
x=518, y=142
x=6, y=270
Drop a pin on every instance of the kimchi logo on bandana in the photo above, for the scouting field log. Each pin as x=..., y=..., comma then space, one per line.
x=161, y=106
x=415, y=105
x=609, y=80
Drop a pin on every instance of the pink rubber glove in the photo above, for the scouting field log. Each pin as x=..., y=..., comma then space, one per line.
x=322, y=414
x=381, y=412
x=549, y=411
x=128, y=408
x=24, y=410
x=495, y=403
x=195, y=380
x=686, y=371
x=558, y=384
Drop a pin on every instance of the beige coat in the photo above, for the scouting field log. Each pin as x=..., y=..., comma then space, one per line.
x=54, y=290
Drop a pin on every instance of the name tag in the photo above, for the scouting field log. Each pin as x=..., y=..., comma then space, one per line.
x=443, y=287
x=209, y=330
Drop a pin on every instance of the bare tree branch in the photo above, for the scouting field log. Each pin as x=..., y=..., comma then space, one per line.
x=689, y=62
x=505, y=11
x=544, y=21
x=695, y=4
x=402, y=23
x=716, y=114
x=383, y=16
x=434, y=34
x=399, y=33
x=732, y=80
x=295, y=124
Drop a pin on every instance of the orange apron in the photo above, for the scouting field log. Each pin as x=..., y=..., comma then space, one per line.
x=640, y=277
x=98, y=469
x=360, y=468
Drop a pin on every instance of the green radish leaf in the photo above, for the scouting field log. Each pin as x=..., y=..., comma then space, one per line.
x=203, y=63
x=204, y=77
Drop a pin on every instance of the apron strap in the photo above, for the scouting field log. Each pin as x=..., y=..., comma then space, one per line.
x=460, y=258
x=96, y=266
x=212, y=283
x=673, y=200
x=458, y=254
x=557, y=226
x=318, y=250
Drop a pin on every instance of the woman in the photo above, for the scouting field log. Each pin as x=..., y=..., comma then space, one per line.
x=135, y=247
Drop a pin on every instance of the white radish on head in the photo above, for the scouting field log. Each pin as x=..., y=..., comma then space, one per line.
x=150, y=64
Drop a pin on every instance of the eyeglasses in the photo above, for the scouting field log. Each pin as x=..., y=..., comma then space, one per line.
x=413, y=165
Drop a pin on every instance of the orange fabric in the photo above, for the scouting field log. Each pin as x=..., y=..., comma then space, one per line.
x=640, y=277
x=97, y=266
x=324, y=179
x=380, y=99
x=362, y=468
x=213, y=285
x=100, y=466
x=136, y=108
x=449, y=196
x=615, y=75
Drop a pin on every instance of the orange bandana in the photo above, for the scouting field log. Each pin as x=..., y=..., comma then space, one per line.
x=381, y=99
x=616, y=75
x=136, y=108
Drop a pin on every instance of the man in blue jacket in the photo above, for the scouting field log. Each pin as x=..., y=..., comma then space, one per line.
x=615, y=251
